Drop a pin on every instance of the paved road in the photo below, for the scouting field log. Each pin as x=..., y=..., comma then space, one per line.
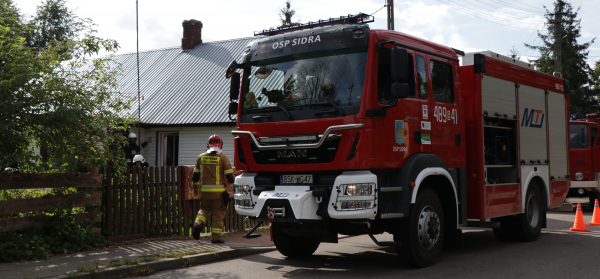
x=558, y=253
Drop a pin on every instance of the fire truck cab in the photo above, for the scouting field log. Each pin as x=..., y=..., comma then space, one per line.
x=584, y=157
x=342, y=129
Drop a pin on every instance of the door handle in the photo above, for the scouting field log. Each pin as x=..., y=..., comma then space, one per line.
x=418, y=136
x=457, y=139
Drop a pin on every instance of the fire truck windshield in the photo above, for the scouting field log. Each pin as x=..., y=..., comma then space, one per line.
x=303, y=83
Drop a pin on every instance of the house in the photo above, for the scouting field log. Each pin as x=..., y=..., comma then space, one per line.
x=184, y=96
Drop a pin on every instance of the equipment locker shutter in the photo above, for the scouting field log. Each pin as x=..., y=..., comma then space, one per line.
x=532, y=124
x=558, y=134
x=498, y=96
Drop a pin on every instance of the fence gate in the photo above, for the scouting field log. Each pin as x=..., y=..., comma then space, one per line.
x=147, y=202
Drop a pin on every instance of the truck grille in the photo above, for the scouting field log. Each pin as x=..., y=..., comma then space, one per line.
x=324, y=154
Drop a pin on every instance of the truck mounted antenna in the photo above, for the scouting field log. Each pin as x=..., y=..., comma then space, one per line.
x=358, y=18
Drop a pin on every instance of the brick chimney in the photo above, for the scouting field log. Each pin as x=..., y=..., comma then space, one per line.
x=192, y=34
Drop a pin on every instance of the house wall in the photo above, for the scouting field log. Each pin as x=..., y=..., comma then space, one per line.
x=192, y=142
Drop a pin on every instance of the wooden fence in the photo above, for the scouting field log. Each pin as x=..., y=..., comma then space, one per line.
x=146, y=202
x=91, y=197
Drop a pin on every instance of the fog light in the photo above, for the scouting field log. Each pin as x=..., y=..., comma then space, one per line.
x=579, y=176
x=356, y=205
x=243, y=204
x=580, y=191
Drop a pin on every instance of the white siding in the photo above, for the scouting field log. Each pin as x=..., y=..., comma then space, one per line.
x=192, y=142
x=557, y=116
x=498, y=96
x=533, y=139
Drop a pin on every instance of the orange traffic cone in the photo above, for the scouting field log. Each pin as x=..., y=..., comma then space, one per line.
x=579, y=225
x=596, y=217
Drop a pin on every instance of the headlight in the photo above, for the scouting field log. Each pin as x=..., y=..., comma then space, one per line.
x=358, y=189
x=579, y=176
x=241, y=189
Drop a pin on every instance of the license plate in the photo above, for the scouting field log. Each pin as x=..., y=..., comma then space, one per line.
x=296, y=179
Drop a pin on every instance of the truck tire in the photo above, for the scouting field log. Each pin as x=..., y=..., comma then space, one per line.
x=422, y=234
x=593, y=196
x=528, y=225
x=294, y=246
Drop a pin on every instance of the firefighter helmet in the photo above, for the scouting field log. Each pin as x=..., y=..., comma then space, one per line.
x=215, y=143
x=132, y=136
x=138, y=158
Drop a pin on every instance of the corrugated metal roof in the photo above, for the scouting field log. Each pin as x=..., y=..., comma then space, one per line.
x=181, y=87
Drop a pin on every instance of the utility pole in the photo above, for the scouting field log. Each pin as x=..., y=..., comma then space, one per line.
x=558, y=37
x=390, y=14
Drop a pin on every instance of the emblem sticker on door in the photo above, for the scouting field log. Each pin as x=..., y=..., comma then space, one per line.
x=425, y=125
x=399, y=131
x=425, y=112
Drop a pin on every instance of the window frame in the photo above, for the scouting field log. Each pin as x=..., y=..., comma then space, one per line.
x=451, y=82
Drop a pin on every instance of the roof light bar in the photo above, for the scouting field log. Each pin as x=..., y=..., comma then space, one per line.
x=358, y=18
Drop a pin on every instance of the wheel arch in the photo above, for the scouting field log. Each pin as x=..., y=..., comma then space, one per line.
x=537, y=181
x=440, y=181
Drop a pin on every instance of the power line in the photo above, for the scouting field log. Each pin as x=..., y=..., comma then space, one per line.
x=476, y=14
x=489, y=13
x=527, y=5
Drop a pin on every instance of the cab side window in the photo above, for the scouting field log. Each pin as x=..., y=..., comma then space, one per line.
x=579, y=136
x=421, y=77
x=441, y=82
x=384, y=78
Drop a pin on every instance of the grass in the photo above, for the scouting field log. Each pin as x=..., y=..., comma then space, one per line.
x=87, y=268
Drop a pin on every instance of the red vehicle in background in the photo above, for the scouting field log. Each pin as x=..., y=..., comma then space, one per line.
x=342, y=129
x=584, y=158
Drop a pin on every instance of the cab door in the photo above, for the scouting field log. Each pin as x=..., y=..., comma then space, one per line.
x=446, y=127
x=395, y=132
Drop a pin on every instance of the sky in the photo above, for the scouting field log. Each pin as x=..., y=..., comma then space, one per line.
x=468, y=25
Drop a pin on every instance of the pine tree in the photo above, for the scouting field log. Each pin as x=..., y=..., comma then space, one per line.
x=285, y=15
x=573, y=57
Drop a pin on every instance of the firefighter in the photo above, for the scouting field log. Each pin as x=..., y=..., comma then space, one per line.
x=210, y=172
x=132, y=149
x=138, y=161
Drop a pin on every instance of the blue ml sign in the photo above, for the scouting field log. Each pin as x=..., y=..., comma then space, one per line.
x=533, y=118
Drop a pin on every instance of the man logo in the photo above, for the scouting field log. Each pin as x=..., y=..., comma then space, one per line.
x=291, y=154
x=533, y=118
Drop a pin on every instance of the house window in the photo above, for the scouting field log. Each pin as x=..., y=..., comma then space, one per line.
x=169, y=149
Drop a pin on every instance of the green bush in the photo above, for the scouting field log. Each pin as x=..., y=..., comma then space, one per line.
x=59, y=235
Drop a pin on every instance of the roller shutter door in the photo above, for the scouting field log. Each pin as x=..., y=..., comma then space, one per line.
x=558, y=135
x=498, y=96
x=532, y=124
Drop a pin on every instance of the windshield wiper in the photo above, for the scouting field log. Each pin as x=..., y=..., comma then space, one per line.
x=328, y=103
x=263, y=109
x=286, y=112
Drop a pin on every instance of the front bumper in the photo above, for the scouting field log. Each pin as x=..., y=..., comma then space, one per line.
x=302, y=203
x=590, y=185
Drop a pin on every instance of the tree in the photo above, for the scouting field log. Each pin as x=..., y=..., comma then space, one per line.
x=514, y=54
x=573, y=56
x=54, y=23
x=596, y=76
x=53, y=95
x=285, y=15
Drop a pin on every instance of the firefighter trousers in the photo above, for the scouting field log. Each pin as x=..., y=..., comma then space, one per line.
x=212, y=207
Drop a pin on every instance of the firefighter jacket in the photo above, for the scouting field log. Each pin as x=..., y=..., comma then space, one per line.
x=131, y=149
x=210, y=171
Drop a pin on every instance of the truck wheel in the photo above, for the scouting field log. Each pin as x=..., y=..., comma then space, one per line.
x=593, y=196
x=294, y=246
x=528, y=225
x=422, y=233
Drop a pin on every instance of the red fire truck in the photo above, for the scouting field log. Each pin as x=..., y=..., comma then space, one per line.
x=342, y=129
x=583, y=158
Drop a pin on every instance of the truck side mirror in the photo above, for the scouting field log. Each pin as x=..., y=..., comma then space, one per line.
x=400, y=90
x=234, y=89
x=399, y=64
x=233, y=106
x=231, y=69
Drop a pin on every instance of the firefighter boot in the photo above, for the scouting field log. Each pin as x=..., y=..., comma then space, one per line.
x=198, y=227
